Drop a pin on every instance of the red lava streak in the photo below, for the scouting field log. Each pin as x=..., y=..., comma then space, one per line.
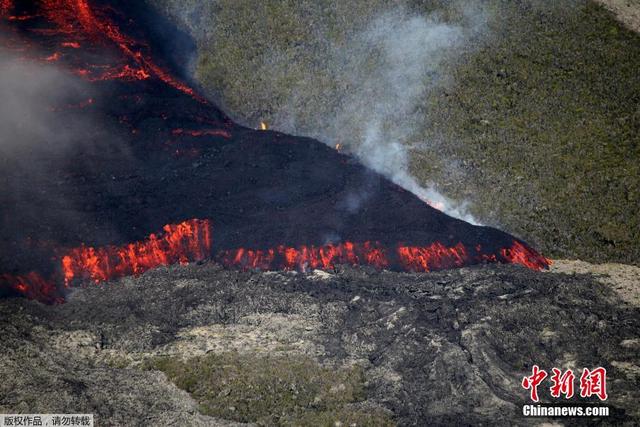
x=304, y=258
x=433, y=257
x=520, y=254
x=180, y=243
x=202, y=132
x=79, y=20
x=410, y=258
x=94, y=24
x=32, y=286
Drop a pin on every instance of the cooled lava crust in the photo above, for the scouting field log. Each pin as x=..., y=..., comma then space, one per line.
x=159, y=175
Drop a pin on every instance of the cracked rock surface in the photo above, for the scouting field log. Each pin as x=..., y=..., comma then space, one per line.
x=447, y=347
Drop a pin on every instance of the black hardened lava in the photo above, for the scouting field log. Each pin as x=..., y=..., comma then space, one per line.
x=141, y=149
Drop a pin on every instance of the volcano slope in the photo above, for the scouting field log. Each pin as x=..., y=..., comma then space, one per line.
x=116, y=146
x=287, y=348
x=533, y=121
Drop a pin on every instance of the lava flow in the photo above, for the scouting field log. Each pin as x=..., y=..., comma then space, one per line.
x=32, y=286
x=146, y=161
x=180, y=243
x=410, y=258
x=306, y=258
x=78, y=20
x=188, y=241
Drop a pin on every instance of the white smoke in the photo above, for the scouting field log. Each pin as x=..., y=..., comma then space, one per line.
x=28, y=91
x=389, y=68
x=363, y=89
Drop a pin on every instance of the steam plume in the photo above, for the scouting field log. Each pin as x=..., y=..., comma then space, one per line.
x=390, y=68
x=365, y=88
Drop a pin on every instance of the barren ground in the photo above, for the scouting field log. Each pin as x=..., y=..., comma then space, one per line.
x=353, y=345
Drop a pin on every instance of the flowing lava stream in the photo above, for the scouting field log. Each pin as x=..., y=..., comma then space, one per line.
x=182, y=243
x=79, y=24
x=179, y=243
x=191, y=241
x=77, y=20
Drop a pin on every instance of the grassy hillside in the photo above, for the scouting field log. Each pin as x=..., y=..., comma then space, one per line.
x=535, y=120
x=547, y=122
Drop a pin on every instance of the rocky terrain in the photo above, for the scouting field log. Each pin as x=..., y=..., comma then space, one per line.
x=627, y=11
x=199, y=345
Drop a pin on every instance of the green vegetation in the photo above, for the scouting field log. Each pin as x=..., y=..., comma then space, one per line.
x=547, y=118
x=537, y=124
x=272, y=390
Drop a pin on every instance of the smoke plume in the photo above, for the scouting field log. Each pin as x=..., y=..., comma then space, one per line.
x=389, y=68
x=320, y=69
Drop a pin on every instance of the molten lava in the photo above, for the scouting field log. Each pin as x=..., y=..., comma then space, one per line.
x=410, y=258
x=306, y=258
x=520, y=254
x=79, y=20
x=191, y=241
x=32, y=286
x=180, y=243
x=434, y=257
x=280, y=186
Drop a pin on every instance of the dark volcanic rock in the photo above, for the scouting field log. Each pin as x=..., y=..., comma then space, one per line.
x=446, y=347
x=135, y=148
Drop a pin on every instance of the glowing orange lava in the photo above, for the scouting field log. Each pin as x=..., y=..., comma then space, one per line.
x=192, y=241
x=520, y=254
x=409, y=258
x=79, y=20
x=433, y=257
x=304, y=258
x=32, y=286
x=180, y=243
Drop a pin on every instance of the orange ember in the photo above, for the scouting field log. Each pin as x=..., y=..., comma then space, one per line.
x=433, y=257
x=304, y=257
x=202, y=132
x=520, y=254
x=32, y=286
x=180, y=243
